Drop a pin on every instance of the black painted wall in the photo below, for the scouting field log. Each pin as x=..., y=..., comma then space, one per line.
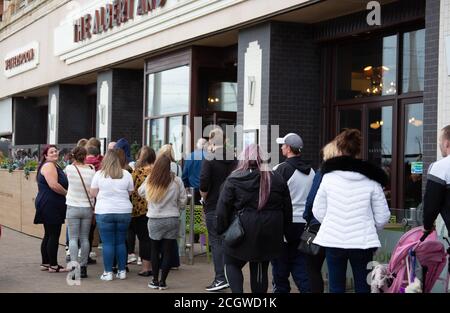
x=127, y=105
x=30, y=120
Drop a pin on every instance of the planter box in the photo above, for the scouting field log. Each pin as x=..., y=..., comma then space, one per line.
x=17, y=210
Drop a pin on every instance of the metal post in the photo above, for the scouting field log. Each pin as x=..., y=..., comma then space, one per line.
x=191, y=226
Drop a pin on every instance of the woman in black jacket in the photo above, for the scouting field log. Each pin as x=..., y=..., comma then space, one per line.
x=263, y=196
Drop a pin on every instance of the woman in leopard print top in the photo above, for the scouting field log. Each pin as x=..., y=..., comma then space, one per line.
x=139, y=218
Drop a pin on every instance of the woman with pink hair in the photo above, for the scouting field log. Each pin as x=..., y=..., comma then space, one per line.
x=264, y=204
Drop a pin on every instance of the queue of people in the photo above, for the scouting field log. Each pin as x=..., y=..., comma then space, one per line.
x=343, y=203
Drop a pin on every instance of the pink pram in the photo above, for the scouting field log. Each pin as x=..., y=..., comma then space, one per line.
x=414, y=247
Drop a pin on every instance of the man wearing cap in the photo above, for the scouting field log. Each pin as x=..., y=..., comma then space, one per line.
x=299, y=177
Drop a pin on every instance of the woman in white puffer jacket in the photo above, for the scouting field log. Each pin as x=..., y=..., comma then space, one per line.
x=351, y=206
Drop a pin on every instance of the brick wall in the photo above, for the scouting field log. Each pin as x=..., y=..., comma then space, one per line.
x=295, y=85
x=127, y=105
x=290, y=92
x=433, y=51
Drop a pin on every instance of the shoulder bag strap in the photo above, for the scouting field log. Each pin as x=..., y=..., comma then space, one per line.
x=84, y=186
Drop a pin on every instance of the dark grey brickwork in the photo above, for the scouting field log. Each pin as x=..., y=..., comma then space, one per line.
x=290, y=91
x=30, y=121
x=127, y=105
x=75, y=121
x=295, y=85
x=430, y=94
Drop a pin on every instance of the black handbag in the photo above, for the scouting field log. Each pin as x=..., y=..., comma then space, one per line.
x=234, y=235
x=306, y=242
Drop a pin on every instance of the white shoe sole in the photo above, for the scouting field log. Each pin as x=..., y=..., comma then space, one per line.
x=218, y=288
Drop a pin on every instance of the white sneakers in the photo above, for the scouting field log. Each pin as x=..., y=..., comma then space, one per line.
x=121, y=274
x=139, y=261
x=108, y=276
x=131, y=258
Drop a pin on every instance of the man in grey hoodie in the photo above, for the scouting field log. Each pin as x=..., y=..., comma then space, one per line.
x=299, y=177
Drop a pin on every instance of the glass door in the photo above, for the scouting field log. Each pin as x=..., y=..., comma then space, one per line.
x=412, y=155
x=375, y=121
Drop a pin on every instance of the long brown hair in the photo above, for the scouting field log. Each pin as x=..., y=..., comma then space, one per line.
x=147, y=156
x=159, y=179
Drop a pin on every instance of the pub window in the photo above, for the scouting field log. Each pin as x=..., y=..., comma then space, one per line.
x=367, y=68
x=413, y=61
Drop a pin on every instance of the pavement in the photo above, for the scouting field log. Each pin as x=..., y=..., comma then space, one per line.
x=20, y=272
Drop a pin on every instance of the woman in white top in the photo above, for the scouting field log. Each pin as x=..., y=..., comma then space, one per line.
x=79, y=206
x=112, y=186
x=165, y=195
x=351, y=206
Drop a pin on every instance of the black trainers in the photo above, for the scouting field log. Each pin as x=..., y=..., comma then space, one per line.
x=162, y=285
x=217, y=285
x=83, y=272
x=153, y=284
x=91, y=261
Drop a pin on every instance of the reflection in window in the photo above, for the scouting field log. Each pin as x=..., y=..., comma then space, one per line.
x=222, y=96
x=413, y=60
x=157, y=133
x=168, y=92
x=380, y=142
x=350, y=118
x=367, y=68
x=176, y=135
x=413, y=154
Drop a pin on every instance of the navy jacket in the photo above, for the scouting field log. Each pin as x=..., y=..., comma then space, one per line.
x=308, y=214
x=192, y=169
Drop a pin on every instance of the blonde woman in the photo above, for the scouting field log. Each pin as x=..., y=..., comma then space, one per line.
x=314, y=262
x=165, y=195
x=113, y=186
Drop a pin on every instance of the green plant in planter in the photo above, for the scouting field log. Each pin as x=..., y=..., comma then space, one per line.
x=31, y=165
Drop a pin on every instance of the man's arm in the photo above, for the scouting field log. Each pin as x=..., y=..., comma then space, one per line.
x=204, y=178
x=433, y=201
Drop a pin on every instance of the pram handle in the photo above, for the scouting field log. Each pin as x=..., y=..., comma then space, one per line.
x=425, y=235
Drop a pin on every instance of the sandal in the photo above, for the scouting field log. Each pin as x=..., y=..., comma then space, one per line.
x=58, y=269
x=45, y=267
x=146, y=274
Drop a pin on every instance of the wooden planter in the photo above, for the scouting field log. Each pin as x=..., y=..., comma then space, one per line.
x=17, y=210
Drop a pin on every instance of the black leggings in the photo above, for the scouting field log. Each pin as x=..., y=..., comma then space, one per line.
x=162, y=254
x=259, y=281
x=138, y=225
x=50, y=243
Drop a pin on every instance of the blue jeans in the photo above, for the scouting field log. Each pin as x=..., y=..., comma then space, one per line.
x=291, y=262
x=113, y=230
x=337, y=268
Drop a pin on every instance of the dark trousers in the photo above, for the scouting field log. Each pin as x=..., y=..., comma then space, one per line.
x=337, y=268
x=50, y=243
x=138, y=225
x=259, y=280
x=162, y=254
x=131, y=239
x=216, y=243
x=314, y=265
x=291, y=262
